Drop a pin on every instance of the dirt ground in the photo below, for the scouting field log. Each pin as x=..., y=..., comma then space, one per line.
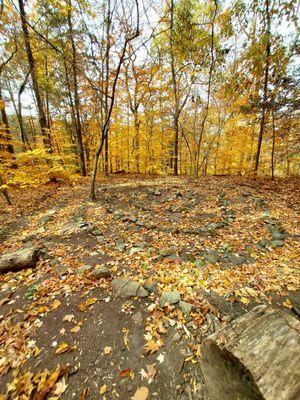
x=225, y=244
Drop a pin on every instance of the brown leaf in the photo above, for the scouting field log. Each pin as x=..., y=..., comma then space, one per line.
x=84, y=394
x=125, y=373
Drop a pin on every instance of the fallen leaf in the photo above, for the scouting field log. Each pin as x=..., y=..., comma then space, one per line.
x=85, y=304
x=107, y=350
x=4, y=300
x=160, y=358
x=47, y=385
x=55, y=304
x=103, y=389
x=150, y=374
x=287, y=303
x=84, y=394
x=63, y=348
x=75, y=329
x=68, y=317
x=60, y=387
x=125, y=373
x=141, y=394
x=151, y=346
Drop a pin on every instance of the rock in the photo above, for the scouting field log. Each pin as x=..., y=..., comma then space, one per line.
x=139, y=223
x=185, y=307
x=138, y=318
x=157, y=193
x=278, y=235
x=84, y=268
x=134, y=250
x=246, y=194
x=128, y=288
x=254, y=357
x=100, y=272
x=263, y=243
x=69, y=228
x=44, y=220
x=95, y=232
x=132, y=218
x=170, y=251
x=277, y=243
x=169, y=298
x=20, y=259
x=151, y=287
x=120, y=246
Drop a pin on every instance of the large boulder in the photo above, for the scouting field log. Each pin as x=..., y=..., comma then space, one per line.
x=256, y=357
x=20, y=259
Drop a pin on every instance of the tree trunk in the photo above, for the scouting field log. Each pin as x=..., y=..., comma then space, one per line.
x=265, y=86
x=255, y=358
x=32, y=67
x=7, y=132
x=176, y=112
x=273, y=146
x=20, y=259
x=76, y=94
x=4, y=192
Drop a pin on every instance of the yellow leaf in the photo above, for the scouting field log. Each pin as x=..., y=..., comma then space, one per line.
x=75, y=329
x=103, y=389
x=63, y=348
x=244, y=300
x=151, y=346
x=84, y=305
x=55, y=304
x=107, y=350
x=287, y=303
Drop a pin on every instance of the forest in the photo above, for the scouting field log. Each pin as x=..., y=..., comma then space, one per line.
x=149, y=199
x=185, y=88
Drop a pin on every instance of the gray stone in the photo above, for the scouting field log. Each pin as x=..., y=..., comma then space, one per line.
x=277, y=243
x=151, y=287
x=121, y=246
x=44, y=220
x=169, y=298
x=157, y=193
x=100, y=272
x=128, y=288
x=138, y=318
x=95, y=232
x=278, y=235
x=168, y=252
x=185, y=307
x=134, y=250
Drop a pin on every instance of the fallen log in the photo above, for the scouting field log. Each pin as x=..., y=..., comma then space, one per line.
x=255, y=357
x=17, y=260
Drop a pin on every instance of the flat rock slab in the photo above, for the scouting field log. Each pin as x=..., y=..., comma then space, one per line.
x=169, y=298
x=20, y=259
x=128, y=288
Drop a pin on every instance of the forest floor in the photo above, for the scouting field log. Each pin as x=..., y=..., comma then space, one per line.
x=71, y=328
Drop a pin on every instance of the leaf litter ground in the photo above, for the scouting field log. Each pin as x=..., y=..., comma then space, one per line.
x=225, y=244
